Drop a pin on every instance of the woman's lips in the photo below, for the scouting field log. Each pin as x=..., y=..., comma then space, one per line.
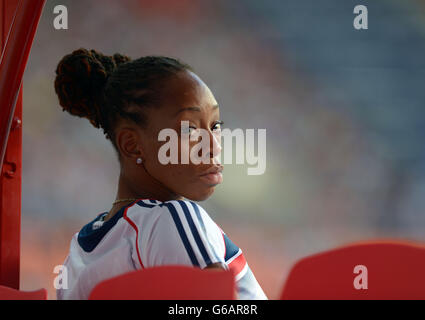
x=212, y=178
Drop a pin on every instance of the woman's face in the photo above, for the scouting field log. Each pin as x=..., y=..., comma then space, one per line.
x=190, y=101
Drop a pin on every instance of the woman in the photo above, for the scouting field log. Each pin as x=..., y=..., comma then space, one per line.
x=150, y=224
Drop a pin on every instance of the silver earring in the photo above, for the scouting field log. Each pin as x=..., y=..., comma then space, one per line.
x=139, y=161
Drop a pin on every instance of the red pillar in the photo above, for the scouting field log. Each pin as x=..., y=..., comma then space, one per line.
x=18, y=23
x=10, y=179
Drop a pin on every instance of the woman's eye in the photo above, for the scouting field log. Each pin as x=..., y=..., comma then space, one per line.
x=217, y=126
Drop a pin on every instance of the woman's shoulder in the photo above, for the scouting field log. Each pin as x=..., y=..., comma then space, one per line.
x=177, y=211
x=184, y=206
x=176, y=231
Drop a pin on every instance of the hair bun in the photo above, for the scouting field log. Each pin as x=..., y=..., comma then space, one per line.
x=80, y=79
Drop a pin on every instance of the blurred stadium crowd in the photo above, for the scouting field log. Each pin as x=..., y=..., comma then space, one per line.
x=344, y=113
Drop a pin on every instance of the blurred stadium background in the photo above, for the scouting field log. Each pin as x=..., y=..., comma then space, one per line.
x=344, y=113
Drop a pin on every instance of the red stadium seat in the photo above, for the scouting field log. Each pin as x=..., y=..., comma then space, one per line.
x=385, y=270
x=168, y=283
x=7, y=293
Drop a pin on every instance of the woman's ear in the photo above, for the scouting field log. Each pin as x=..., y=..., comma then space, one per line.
x=128, y=141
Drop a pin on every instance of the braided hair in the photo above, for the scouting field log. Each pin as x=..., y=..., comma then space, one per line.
x=104, y=89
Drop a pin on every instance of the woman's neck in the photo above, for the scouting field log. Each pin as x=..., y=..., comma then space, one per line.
x=128, y=189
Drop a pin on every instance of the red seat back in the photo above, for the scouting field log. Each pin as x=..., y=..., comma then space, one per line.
x=168, y=283
x=7, y=293
x=387, y=270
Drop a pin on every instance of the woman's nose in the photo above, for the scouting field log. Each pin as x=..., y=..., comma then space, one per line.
x=215, y=142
